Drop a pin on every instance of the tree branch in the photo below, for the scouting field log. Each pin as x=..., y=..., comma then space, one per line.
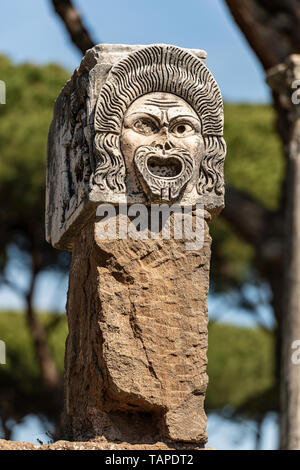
x=48, y=368
x=246, y=216
x=13, y=286
x=271, y=27
x=73, y=23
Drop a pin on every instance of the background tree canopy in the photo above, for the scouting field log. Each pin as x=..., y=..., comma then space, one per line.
x=254, y=164
x=240, y=368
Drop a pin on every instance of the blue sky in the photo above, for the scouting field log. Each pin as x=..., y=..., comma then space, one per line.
x=30, y=31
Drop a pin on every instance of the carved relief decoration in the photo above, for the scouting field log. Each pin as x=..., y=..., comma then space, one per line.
x=165, y=69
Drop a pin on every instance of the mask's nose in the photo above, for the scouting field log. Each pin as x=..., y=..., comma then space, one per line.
x=166, y=145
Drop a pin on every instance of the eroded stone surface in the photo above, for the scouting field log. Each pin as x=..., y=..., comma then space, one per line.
x=67, y=445
x=136, y=350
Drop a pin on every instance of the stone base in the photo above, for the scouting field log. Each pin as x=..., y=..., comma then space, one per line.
x=67, y=445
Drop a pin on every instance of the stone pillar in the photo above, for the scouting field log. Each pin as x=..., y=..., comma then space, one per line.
x=136, y=128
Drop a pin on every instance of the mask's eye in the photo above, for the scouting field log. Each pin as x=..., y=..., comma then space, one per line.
x=145, y=126
x=182, y=129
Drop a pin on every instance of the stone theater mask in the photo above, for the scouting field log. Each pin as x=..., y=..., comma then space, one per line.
x=162, y=135
x=135, y=124
x=159, y=126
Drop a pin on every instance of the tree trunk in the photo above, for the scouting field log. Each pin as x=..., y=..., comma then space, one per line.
x=6, y=429
x=47, y=365
x=272, y=29
x=290, y=393
x=73, y=23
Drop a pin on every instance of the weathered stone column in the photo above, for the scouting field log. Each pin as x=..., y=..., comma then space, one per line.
x=136, y=127
x=285, y=80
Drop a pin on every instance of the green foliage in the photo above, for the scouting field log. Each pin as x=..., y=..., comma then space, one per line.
x=25, y=120
x=24, y=124
x=240, y=366
x=255, y=165
x=232, y=258
x=21, y=371
x=254, y=161
x=240, y=360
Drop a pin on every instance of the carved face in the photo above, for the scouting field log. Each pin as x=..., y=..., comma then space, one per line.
x=162, y=144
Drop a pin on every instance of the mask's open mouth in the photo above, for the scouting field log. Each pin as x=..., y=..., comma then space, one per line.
x=164, y=167
x=163, y=175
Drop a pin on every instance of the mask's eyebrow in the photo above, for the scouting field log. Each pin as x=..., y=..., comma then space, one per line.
x=143, y=113
x=188, y=117
x=155, y=117
x=161, y=104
